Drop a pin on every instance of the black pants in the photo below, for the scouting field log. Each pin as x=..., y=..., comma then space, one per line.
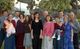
x=2, y=36
x=75, y=41
x=37, y=43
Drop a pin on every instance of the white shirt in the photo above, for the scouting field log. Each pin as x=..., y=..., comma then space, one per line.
x=16, y=19
x=10, y=30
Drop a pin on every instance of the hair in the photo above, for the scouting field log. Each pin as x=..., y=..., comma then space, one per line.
x=4, y=11
x=48, y=16
x=10, y=14
x=17, y=11
x=29, y=20
x=60, y=11
x=8, y=17
x=22, y=15
x=35, y=14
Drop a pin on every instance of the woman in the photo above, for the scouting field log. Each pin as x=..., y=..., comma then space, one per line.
x=27, y=31
x=48, y=30
x=68, y=34
x=36, y=31
x=9, y=42
x=20, y=32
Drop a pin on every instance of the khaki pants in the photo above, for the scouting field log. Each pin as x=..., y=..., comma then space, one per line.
x=47, y=43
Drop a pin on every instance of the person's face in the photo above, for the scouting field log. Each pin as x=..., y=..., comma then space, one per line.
x=5, y=13
x=10, y=17
x=37, y=16
x=48, y=18
x=21, y=17
x=72, y=16
x=61, y=14
x=45, y=13
x=17, y=13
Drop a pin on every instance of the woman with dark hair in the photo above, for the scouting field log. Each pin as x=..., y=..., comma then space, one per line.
x=27, y=29
x=20, y=32
x=48, y=30
x=9, y=42
x=36, y=31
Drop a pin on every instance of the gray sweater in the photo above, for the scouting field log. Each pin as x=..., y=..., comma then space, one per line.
x=76, y=26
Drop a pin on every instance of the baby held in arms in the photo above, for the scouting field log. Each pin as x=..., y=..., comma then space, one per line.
x=10, y=29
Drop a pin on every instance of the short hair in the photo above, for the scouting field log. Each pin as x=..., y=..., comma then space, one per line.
x=4, y=11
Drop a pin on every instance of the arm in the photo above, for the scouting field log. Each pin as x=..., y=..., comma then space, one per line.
x=41, y=25
x=32, y=34
x=17, y=26
x=0, y=23
x=71, y=34
x=32, y=26
x=76, y=26
x=52, y=29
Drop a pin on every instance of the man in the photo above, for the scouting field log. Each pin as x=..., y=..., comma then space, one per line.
x=2, y=31
x=61, y=16
x=16, y=18
x=45, y=13
x=76, y=28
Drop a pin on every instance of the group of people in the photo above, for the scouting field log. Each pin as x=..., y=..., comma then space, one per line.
x=39, y=32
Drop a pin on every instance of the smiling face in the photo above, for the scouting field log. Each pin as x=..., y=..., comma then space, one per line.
x=65, y=18
x=48, y=18
x=5, y=13
x=21, y=16
x=37, y=16
x=17, y=14
x=45, y=13
x=61, y=14
x=71, y=16
x=10, y=17
x=27, y=18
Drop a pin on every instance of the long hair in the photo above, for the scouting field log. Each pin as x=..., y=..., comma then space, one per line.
x=29, y=19
x=36, y=14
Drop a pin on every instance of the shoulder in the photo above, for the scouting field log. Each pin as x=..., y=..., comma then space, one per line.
x=18, y=21
x=1, y=17
x=40, y=21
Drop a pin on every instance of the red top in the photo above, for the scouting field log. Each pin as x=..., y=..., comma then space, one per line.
x=48, y=29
